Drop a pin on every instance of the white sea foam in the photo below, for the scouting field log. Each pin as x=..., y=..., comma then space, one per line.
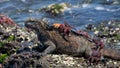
x=23, y=0
x=113, y=10
x=86, y=6
x=99, y=8
x=93, y=6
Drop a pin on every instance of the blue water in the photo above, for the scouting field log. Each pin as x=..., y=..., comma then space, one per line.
x=81, y=13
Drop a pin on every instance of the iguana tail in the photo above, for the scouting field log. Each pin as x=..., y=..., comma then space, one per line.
x=111, y=53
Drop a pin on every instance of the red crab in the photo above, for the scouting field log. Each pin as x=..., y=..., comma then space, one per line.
x=6, y=20
x=63, y=28
x=98, y=43
x=95, y=57
x=83, y=33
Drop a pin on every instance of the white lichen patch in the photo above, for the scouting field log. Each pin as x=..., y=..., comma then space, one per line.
x=66, y=61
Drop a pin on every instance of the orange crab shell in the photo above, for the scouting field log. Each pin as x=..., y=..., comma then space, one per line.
x=56, y=25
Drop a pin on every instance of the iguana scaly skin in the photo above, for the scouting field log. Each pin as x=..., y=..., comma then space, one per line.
x=75, y=46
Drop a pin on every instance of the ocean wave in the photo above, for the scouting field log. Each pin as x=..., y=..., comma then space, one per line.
x=3, y=1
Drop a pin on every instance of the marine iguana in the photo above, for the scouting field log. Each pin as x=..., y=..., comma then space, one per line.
x=75, y=46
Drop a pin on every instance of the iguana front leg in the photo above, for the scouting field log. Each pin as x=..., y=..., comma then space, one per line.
x=51, y=47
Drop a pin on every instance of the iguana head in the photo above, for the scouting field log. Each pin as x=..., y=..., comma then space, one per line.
x=39, y=26
x=35, y=24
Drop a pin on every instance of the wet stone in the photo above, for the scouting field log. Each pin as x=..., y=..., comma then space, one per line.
x=109, y=30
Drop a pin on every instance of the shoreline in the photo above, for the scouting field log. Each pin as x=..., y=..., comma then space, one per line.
x=24, y=37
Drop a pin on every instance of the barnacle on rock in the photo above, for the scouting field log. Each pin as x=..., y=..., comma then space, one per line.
x=26, y=59
x=108, y=31
x=8, y=48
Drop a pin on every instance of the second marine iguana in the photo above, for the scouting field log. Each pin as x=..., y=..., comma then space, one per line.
x=75, y=46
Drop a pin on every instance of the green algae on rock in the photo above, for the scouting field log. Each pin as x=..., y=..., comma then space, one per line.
x=11, y=38
x=56, y=9
x=3, y=57
x=2, y=44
